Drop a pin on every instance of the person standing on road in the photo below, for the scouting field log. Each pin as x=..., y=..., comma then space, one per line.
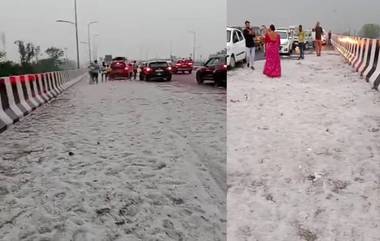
x=301, y=42
x=250, y=36
x=104, y=71
x=273, y=61
x=318, y=38
x=329, y=38
x=94, y=71
x=135, y=70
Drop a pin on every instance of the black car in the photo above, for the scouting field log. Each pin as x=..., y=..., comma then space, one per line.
x=215, y=69
x=156, y=70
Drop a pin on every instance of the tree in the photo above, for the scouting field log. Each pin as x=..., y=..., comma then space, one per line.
x=27, y=52
x=2, y=56
x=370, y=31
x=54, y=53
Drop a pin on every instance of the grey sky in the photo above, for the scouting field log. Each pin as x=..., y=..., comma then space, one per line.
x=337, y=15
x=134, y=29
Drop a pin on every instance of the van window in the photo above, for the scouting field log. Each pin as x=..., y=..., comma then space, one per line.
x=235, y=37
x=228, y=36
x=240, y=35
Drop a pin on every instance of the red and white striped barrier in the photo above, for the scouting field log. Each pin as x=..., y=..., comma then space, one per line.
x=20, y=95
x=363, y=55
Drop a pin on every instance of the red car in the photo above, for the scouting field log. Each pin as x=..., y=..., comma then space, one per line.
x=120, y=69
x=215, y=70
x=183, y=66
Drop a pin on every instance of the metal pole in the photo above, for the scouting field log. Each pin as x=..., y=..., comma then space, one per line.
x=195, y=42
x=76, y=33
x=89, y=42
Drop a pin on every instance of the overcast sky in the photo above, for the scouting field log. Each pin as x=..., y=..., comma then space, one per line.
x=336, y=15
x=140, y=28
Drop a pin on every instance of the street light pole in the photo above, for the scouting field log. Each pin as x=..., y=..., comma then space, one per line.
x=76, y=32
x=89, y=39
x=194, y=43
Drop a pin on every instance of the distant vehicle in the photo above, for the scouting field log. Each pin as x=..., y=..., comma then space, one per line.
x=184, y=66
x=120, y=69
x=236, y=50
x=215, y=69
x=287, y=41
x=324, y=37
x=156, y=70
x=309, y=44
x=108, y=59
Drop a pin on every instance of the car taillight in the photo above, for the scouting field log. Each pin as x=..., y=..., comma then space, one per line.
x=126, y=68
x=148, y=69
x=178, y=64
x=225, y=66
x=169, y=68
x=190, y=63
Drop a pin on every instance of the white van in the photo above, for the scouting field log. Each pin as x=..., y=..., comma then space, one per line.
x=236, y=50
x=287, y=41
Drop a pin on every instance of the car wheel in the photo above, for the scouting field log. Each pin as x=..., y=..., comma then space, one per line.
x=190, y=72
x=233, y=62
x=216, y=82
x=199, y=79
x=169, y=78
x=146, y=78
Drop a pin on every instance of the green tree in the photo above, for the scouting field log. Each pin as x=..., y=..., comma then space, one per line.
x=54, y=53
x=27, y=52
x=2, y=56
x=370, y=31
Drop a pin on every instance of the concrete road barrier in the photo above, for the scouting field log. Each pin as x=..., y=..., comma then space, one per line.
x=20, y=95
x=363, y=55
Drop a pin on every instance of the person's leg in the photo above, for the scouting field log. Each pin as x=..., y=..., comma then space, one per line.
x=248, y=56
x=320, y=47
x=253, y=54
x=302, y=49
x=317, y=47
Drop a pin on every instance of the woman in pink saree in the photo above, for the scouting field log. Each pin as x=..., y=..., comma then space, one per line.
x=273, y=61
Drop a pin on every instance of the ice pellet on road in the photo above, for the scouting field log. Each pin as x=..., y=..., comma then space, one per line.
x=117, y=161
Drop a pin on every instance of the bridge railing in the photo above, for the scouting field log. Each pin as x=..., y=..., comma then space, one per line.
x=20, y=95
x=362, y=54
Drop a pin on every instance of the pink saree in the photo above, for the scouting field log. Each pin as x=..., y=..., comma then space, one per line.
x=272, y=65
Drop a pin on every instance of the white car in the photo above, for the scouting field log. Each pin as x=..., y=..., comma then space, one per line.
x=236, y=50
x=286, y=41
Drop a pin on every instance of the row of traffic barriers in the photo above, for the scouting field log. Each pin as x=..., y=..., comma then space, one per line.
x=362, y=54
x=20, y=95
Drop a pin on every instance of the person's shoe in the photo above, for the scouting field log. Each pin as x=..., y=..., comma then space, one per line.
x=253, y=68
x=248, y=65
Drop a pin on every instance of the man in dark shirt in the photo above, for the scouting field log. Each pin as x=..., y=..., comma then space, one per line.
x=318, y=38
x=250, y=36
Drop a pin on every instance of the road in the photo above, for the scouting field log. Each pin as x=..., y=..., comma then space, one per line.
x=121, y=160
x=303, y=153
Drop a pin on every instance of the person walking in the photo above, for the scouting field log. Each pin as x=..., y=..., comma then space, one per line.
x=104, y=71
x=250, y=45
x=135, y=69
x=273, y=61
x=94, y=71
x=301, y=42
x=318, y=38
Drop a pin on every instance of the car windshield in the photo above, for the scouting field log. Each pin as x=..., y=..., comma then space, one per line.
x=158, y=65
x=228, y=36
x=283, y=35
x=119, y=59
x=213, y=62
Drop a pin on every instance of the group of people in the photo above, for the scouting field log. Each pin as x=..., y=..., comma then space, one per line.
x=95, y=69
x=104, y=70
x=272, y=44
